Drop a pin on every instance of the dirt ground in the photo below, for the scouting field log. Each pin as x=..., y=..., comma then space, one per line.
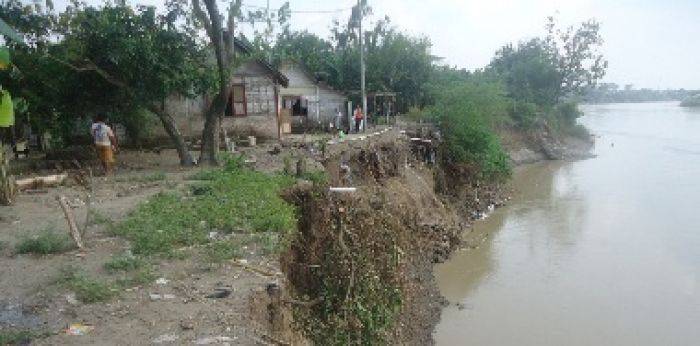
x=32, y=300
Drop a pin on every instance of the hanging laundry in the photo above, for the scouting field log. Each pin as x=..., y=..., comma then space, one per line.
x=7, y=112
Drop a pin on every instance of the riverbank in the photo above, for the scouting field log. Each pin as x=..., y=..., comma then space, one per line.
x=403, y=204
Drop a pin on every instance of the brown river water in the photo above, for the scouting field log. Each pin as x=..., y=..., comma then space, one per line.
x=604, y=251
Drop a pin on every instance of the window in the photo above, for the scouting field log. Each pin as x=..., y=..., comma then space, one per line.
x=237, y=105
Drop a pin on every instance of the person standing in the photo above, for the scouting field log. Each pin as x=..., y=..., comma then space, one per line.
x=105, y=143
x=358, y=118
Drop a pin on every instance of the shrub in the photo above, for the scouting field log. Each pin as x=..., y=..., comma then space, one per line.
x=466, y=111
x=123, y=263
x=45, y=243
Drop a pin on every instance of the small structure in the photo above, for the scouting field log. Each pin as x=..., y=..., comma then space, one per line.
x=252, y=107
x=309, y=104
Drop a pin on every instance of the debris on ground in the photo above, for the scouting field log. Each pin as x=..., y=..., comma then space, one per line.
x=79, y=329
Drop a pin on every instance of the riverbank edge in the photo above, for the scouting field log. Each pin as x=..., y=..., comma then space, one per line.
x=423, y=303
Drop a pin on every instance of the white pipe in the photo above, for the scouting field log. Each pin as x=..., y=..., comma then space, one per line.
x=343, y=189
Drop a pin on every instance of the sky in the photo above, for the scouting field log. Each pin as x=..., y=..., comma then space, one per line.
x=648, y=43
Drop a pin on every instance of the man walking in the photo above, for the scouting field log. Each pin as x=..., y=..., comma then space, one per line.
x=105, y=143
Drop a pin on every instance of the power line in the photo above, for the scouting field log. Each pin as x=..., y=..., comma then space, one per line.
x=337, y=10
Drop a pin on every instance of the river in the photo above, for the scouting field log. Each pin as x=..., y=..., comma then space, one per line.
x=604, y=251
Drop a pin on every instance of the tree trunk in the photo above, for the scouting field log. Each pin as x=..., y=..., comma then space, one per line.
x=210, y=134
x=180, y=145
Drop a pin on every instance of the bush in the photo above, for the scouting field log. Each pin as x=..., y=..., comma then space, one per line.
x=466, y=112
x=45, y=243
x=524, y=114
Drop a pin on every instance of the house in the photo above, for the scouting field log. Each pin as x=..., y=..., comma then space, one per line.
x=252, y=107
x=307, y=103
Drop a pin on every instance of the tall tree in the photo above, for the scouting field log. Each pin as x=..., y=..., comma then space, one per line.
x=222, y=43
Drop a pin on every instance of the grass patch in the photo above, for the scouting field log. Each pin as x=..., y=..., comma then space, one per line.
x=17, y=337
x=221, y=251
x=87, y=290
x=124, y=263
x=229, y=199
x=139, y=278
x=316, y=177
x=47, y=242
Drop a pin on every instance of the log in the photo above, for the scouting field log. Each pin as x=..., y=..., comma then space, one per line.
x=39, y=182
x=74, y=231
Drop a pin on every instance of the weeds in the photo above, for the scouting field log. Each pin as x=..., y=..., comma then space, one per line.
x=222, y=251
x=316, y=177
x=123, y=263
x=87, y=290
x=138, y=278
x=45, y=243
x=230, y=199
x=17, y=337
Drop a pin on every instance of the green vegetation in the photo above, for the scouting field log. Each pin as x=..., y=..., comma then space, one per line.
x=230, y=199
x=47, y=242
x=17, y=337
x=139, y=277
x=221, y=251
x=87, y=290
x=465, y=112
x=124, y=263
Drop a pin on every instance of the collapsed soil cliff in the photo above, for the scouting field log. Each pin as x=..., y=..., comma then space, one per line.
x=359, y=270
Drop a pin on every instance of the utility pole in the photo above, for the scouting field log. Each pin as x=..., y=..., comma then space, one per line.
x=362, y=67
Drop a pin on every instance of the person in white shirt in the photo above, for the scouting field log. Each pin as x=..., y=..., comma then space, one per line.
x=105, y=143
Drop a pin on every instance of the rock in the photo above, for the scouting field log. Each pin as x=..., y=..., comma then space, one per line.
x=186, y=325
x=214, y=340
x=70, y=298
x=162, y=281
x=165, y=338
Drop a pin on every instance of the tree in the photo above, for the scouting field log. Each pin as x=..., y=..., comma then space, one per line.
x=146, y=57
x=575, y=51
x=543, y=70
x=222, y=44
x=111, y=59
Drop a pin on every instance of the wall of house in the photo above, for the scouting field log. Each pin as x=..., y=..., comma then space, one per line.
x=261, y=119
x=322, y=100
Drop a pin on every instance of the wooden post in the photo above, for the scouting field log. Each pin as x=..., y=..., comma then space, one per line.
x=74, y=231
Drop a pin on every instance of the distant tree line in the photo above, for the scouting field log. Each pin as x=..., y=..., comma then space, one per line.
x=612, y=93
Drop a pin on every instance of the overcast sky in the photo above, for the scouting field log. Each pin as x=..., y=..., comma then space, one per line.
x=648, y=43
